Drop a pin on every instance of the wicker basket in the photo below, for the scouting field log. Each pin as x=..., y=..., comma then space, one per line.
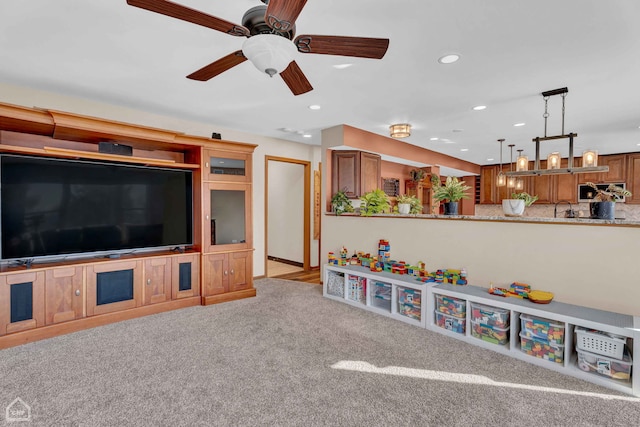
x=600, y=343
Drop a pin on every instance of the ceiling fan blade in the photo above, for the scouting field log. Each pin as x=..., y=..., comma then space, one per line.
x=281, y=15
x=295, y=79
x=174, y=10
x=220, y=66
x=361, y=47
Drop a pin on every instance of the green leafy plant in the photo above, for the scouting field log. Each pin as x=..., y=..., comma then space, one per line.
x=453, y=190
x=374, y=202
x=417, y=175
x=414, y=202
x=528, y=199
x=612, y=193
x=341, y=203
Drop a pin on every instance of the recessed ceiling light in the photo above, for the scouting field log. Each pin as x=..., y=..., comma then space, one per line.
x=519, y=124
x=307, y=135
x=287, y=130
x=489, y=160
x=314, y=107
x=435, y=138
x=449, y=59
x=480, y=107
x=457, y=130
x=464, y=149
x=342, y=66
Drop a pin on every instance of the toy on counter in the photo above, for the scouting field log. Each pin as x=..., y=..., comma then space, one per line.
x=522, y=290
x=519, y=290
x=501, y=292
x=540, y=297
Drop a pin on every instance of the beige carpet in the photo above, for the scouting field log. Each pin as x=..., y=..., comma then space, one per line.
x=290, y=357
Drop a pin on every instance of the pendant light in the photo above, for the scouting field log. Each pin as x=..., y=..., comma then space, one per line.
x=501, y=179
x=522, y=162
x=511, y=180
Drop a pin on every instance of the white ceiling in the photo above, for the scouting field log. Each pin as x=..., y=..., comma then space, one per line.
x=511, y=51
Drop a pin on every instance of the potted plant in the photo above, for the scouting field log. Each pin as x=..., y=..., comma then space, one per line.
x=452, y=191
x=340, y=203
x=516, y=204
x=408, y=204
x=604, y=201
x=417, y=175
x=374, y=202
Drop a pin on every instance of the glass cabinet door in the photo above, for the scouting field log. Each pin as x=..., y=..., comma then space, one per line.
x=227, y=217
x=221, y=166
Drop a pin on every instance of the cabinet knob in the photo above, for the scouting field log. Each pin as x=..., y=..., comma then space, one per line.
x=206, y=164
x=232, y=271
x=77, y=292
x=226, y=272
x=148, y=281
x=206, y=217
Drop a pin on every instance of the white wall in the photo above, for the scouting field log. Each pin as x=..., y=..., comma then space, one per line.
x=286, y=211
x=29, y=97
x=591, y=265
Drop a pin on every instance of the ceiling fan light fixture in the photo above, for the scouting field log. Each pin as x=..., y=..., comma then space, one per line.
x=269, y=53
x=401, y=130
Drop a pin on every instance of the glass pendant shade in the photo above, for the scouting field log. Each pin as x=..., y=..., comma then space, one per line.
x=501, y=179
x=511, y=182
x=519, y=184
x=590, y=158
x=522, y=163
x=553, y=160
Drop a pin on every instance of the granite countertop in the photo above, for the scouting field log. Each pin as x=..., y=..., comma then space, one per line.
x=520, y=219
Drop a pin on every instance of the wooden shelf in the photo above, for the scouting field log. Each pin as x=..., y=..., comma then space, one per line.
x=74, y=154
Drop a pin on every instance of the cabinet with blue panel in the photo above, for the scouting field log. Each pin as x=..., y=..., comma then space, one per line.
x=21, y=301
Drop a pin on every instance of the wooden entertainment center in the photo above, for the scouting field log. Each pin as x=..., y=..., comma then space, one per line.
x=217, y=267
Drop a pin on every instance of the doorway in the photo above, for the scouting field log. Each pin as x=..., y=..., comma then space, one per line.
x=287, y=215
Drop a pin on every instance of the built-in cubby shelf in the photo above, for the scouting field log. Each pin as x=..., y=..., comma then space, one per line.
x=78, y=154
x=566, y=316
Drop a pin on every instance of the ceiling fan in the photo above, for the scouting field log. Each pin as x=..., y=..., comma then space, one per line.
x=270, y=44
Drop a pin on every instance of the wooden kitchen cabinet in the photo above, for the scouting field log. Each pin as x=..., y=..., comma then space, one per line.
x=633, y=180
x=21, y=301
x=488, y=189
x=64, y=294
x=355, y=172
x=617, y=170
x=157, y=280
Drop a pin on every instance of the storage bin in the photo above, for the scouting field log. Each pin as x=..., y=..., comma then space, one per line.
x=335, y=284
x=542, y=349
x=599, y=342
x=451, y=306
x=491, y=316
x=409, y=302
x=451, y=323
x=489, y=333
x=357, y=288
x=606, y=366
x=381, y=295
x=542, y=329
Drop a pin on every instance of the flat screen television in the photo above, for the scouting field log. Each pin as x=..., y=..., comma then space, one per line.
x=55, y=207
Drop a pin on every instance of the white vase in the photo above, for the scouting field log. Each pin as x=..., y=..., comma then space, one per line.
x=513, y=207
x=404, y=208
